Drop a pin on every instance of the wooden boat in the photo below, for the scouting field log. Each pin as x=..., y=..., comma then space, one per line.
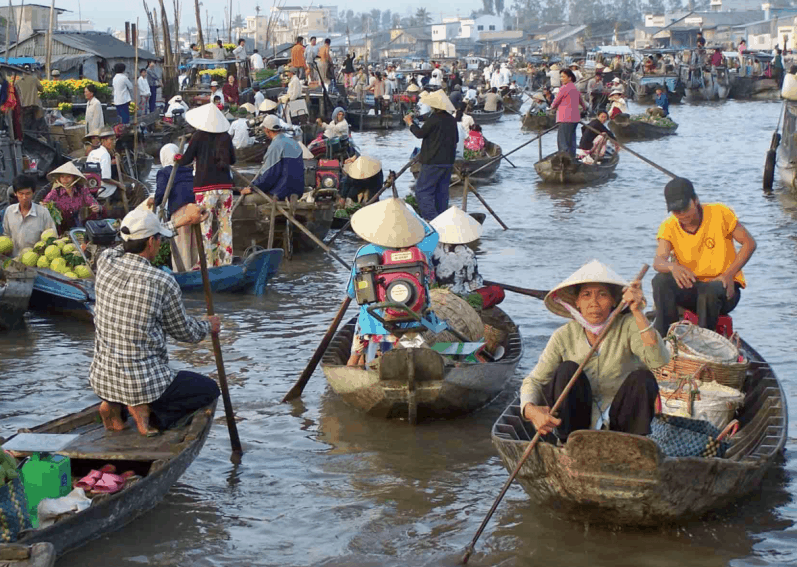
x=250, y=222
x=159, y=461
x=538, y=122
x=251, y=154
x=627, y=129
x=787, y=153
x=462, y=165
x=56, y=293
x=561, y=167
x=359, y=119
x=47, y=156
x=16, y=287
x=624, y=479
x=248, y=276
x=512, y=103
x=483, y=117
x=712, y=83
x=419, y=381
x=756, y=88
x=36, y=555
x=643, y=87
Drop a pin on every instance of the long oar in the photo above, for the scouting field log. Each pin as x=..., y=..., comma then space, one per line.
x=235, y=441
x=375, y=198
x=554, y=409
x=633, y=153
x=538, y=293
x=469, y=187
x=772, y=154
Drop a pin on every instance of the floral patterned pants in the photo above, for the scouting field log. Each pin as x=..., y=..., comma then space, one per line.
x=219, y=204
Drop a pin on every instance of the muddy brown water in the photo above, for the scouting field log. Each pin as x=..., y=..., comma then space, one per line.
x=321, y=484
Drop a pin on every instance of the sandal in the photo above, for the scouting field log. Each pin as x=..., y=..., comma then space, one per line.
x=108, y=484
x=87, y=482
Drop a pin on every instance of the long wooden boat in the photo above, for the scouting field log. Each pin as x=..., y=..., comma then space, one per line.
x=619, y=478
x=159, y=461
x=492, y=151
x=512, y=103
x=360, y=120
x=483, y=117
x=754, y=87
x=639, y=129
x=249, y=276
x=47, y=156
x=56, y=293
x=16, y=287
x=562, y=168
x=705, y=84
x=787, y=152
x=36, y=555
x=418, y=381
x=251, y=154
x=643, y=87
x=538, y=122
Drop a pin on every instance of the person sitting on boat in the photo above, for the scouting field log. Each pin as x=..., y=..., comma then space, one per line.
x=137, y=306
x=103, y=155
x=239, y=130
x=595, y=88
x=24, y=221
x=649, y=66
x=548, y=95
x=456, y=96
x=363, y=178
x=618, y=104
x=464, y=118
x=71, y=194
x=594, y=138
x=215, y=92
x=337, y=127
x=230, y=90
x=716, y=58
x=218, y=102
x=471, y=94
x=538, y=104
x=616, y=390
x=282, y=172
x=175, y=104
x=474, y=143
x=662, y=101
x=386, y=224
x=491, y=100
x=706, y=276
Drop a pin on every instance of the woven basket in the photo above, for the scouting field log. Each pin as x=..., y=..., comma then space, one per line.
x=459, y=315
x=709, y=401
x=697, y=353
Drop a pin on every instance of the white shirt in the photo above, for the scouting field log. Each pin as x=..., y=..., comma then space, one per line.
x=26, y=231
x=239, y=130
x=336, y=130
x=102, y=157
x=122, y=89
x=504, y=77
x=175, y=106
x=240, y=53
x=310, y=53
x=437, y=78
x=259, y=99
x=470, y=95
x=460, y=153
x=94, y=116
x=294, y=88
x=256, y=61
x=556, y=80
x=217, y=93
x=467, y=121
x=143, y=87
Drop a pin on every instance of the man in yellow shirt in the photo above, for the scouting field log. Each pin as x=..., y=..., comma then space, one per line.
x=706, y=274
x=297, y=57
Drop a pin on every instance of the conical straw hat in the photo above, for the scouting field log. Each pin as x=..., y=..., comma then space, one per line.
x=207, y=118
x=175, y=98
x=306, y=153
x=267, y=105
x=69, y=168
x=455, y=226
x=592, y=272
x=104, y=132
x=413, y=88
x=363, y=167
x=249, y=107
x=438, y=100
x=388, y=223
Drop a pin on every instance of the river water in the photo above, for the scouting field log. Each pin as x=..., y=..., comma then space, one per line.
x=321, y=484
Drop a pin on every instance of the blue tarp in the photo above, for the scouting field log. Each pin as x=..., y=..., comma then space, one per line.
x=20, y=61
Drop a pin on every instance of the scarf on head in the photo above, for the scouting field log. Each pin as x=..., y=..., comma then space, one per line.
x=576, y=314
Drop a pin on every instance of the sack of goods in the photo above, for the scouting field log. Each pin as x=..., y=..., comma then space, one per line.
x=702, y=354
x=707, y=401
x=789, y=89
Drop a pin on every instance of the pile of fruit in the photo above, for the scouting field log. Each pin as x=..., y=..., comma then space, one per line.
x=58, y=255
x=663, y=121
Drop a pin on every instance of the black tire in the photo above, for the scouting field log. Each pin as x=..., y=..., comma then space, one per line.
x=769, y=169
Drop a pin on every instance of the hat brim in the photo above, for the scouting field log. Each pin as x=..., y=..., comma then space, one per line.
x=593, y=272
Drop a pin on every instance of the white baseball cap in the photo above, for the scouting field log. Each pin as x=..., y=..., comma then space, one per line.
x=272, y=123
x=142, y=224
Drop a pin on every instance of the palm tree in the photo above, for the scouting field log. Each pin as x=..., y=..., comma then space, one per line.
x=422, y=17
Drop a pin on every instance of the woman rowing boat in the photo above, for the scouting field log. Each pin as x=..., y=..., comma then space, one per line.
x=617, y=390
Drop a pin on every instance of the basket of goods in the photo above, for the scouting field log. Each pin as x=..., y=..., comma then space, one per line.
x=14, y=515
x=695, y=399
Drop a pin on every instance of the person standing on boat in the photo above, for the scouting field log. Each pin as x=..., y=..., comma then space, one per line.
x=706, y=276
x=297, y=57
x=143, y=92
x=777, y=67
x=310, y=53
x=137, y=306
x=568, y=104
x=325, y=63
x=94, y=116
x=24, y=221
x=438, y=151
x=122, y=93
x=154, y=81
x=212, y=150
x=616, y=390
x=282, y=172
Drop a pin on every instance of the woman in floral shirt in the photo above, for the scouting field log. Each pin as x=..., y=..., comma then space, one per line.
x=70, y=194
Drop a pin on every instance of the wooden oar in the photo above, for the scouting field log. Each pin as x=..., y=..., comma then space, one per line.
x=235, y=441
x=469, y=187
x=298, y=388
x=538, y=293
x=554, y=409
x=633, y=153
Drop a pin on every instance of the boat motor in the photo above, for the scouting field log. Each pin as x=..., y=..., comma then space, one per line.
x=93, y=174
x=394, y=277
x=327, y=174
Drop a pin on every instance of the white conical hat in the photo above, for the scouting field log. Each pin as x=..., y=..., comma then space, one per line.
x=363, y=167
x=455, y=226
x=592, y=272
x=388, y=223
x=175, y=98
x=69, y=168
x=413, y=88
x=207, y=118
x=306, y=153
x=249, y=107
x=267, y=105
x=438, y=100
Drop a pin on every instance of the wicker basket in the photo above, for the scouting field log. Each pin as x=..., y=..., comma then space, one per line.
x=697, y=353
x=459, y=315
x=709, y=401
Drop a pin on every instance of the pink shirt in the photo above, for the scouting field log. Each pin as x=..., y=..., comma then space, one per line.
x=567, y=103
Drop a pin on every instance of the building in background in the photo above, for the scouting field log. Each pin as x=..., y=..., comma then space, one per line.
x=31, y=18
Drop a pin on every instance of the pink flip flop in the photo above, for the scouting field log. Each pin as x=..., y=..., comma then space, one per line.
x=108, y=484
x=88, y=481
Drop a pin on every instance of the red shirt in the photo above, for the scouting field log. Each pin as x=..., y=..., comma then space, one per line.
x=568, y=102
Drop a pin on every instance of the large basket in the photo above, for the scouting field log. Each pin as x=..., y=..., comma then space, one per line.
x=697, y=353
x=459, y=315
x=709, y=401
x=14, y=515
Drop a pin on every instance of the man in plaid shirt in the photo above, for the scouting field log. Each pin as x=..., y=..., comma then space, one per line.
x=137, y=306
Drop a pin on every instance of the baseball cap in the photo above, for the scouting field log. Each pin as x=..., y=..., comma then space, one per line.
x=678, y=192
x=140, y=224
x=272, y=123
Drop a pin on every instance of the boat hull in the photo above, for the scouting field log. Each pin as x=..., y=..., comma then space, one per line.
x=561, y=168
x=787, y=152
x=472, y=165
x=55, y=293
x=538, y=122
x=16, y=287
x=250, y=276
x=639, y=130
x=482, y=117
x=360, y=121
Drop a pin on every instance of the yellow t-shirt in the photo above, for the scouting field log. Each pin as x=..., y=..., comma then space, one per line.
x=709, y=251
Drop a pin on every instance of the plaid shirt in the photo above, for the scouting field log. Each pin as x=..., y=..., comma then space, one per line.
x=137, y=305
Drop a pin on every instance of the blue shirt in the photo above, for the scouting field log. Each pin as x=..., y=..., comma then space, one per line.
x=367, y=324
x=282, y=173
x=663, y=103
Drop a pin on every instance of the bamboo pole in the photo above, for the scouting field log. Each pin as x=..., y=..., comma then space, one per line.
x=200, y=38
x=48, y=60
x=19, y=27
x=8, y=29
x=136, y=97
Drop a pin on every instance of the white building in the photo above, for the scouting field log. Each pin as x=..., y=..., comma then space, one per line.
x=31, y=18
x=488, y=23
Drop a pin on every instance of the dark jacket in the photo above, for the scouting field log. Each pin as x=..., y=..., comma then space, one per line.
x=210, y=174
x=440, y=135
x=352, y=187
x=182, y=192
x=588, y=136
x=282, y=173
x=664, y=103
x=456, y=98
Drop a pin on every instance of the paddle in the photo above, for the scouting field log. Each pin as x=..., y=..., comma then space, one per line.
x=533, y=443
x=469, y=187
x=769, y=163
x=235, y=441
x=538, y=293
x=633, y=153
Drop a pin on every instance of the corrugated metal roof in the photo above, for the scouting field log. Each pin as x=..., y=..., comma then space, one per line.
x=78, y=43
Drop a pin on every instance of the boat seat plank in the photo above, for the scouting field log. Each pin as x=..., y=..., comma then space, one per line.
x=97, y=443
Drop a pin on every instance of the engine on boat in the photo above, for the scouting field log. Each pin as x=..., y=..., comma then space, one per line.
x=396, y=276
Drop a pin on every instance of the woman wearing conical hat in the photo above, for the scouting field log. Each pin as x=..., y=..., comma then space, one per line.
x=386, y=224
x=617, y=390
x=363, y=178
x=70, y=193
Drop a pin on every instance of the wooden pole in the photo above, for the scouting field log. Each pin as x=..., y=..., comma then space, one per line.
x=200, y=39
x=8, y=29
x=48, y=60
x=19, y=26
x=633, y=153
x=271, y=224
x=137, y=97
x=536, y=293
x=466, y=190
x=235, y=441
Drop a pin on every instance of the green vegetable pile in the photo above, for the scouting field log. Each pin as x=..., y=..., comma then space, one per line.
x=664, y=122
x=164, y=257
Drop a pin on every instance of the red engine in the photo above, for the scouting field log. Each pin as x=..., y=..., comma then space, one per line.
x=327, y=175
x=396, y=276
